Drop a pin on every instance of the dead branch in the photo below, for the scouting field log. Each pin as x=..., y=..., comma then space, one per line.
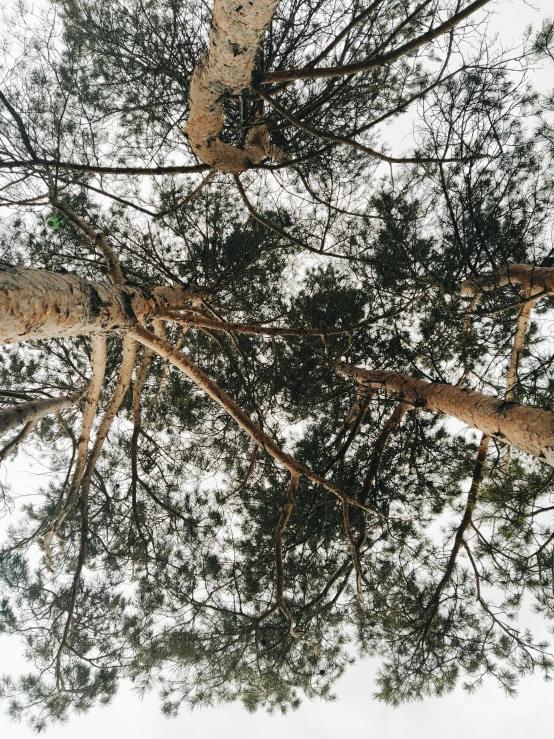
x=353, y=551
x=17, y=439
x=249, y=472
x=390, y=425
x=137, y=423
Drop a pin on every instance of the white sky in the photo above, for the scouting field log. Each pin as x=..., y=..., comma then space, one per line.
x=488, y=713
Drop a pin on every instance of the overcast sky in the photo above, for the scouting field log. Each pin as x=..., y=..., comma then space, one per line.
x=488, y=713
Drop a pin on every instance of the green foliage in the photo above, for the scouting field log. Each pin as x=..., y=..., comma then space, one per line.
x=178, y=588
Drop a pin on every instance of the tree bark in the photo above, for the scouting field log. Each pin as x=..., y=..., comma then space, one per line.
x=534, y=280
x=35, y=304
x=34, y=410
x=512, y=377
x=529, y=429
x=237, y=28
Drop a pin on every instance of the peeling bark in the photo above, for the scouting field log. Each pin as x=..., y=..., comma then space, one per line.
x=227, y=70
x=512, y=378
x=534, y=280
x=35, y=304
x=527, y=428
x=34, y=410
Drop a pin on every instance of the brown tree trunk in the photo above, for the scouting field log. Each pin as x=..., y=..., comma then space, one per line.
x=237, y=28
x=35, y=304
x=529, y=429
x=34, y=410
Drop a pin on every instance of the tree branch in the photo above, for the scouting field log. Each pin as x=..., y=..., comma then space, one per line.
x=187, y=366
x=289, y=75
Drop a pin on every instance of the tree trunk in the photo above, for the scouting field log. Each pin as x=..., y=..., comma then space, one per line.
x=35, y=304
x=533, y=279
x=237, y=28
x=529, y=429
x=34, y=410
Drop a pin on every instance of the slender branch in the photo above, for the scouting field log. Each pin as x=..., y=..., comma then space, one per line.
x=191, y=196
x=124, y=380
x=278, y=546
x=390, y=425
x=17, y=439
x=98, y=364
x=289, y=75
x=361, y=405
x=277, y=229
x=433, y=605
x=336, y=139
x=191, y=319
x=353, y=551
x=191, y=370
x=249, y=472
x=20, y=126
x=97, y=169
x=137, y=424
x=95, y=237
x=123, y=383
x=512, y=378
x=344, y=33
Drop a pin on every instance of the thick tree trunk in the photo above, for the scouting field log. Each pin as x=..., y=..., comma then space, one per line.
x=34, y=410
x=35, y=304
x=237, y=28
x=529, y=429
x=534, y=280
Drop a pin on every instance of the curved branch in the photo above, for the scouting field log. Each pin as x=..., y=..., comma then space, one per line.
x=191, y=370
x=334, y=138
x=235, y=34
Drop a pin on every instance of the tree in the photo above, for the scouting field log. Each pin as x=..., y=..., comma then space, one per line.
x=234, y=324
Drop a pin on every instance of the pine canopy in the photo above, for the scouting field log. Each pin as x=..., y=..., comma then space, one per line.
x=276, y=293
